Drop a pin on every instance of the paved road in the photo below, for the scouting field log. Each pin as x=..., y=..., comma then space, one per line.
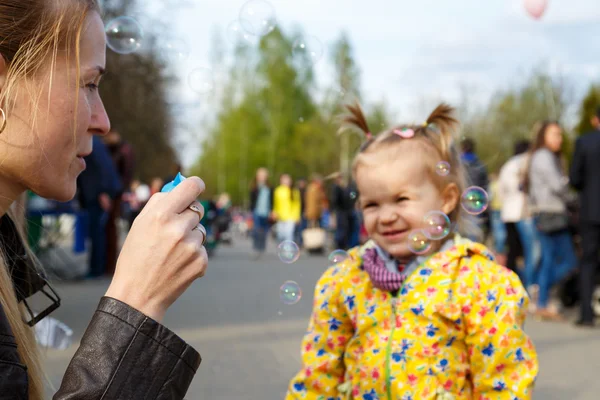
x=249, y=340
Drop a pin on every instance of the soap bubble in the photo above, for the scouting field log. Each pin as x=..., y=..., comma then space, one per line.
x=418, y=242
x=301, y=120
x=257, y=17
x=474, y=200
x=290, y=292
x=437, y=225
x=202, y=80
x=442, y=168
x=338, y=256
x=124, y=35
x=288, y=252
x=309, y=47
x=236, y=33
x=174, y=49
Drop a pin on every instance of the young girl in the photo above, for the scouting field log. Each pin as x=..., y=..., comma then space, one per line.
x=390, y=324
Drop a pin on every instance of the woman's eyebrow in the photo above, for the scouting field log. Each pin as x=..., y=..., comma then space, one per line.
x=101, y=70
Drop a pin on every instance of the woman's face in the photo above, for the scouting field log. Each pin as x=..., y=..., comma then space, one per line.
x=553, y=138
x=45, y=154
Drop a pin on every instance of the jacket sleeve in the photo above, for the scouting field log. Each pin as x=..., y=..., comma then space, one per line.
x=324, y=343
x=126, y=355
x=577, y=172
x=503, y=360
x=13, y=374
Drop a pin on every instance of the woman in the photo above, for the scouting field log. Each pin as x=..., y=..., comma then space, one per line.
x=521, y=232
x=52, y=56
x=547, y=186
x=286, y=208
x=261, y=206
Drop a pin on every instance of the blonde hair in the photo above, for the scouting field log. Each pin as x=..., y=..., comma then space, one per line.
x=435, y=140
x=32, y=32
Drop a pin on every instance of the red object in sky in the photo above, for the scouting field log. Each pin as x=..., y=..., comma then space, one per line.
x=536, y=8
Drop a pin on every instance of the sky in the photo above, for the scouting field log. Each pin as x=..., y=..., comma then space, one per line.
x=410, y=52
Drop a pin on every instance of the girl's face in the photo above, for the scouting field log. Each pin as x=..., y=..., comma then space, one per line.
x=394, y=198
x=46, y=154
x=553, y=138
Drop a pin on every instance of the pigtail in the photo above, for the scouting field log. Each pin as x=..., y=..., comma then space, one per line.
x=357, y=119
x=442, y=120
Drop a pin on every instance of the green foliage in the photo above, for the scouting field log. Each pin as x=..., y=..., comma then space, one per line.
x=589, y=105
x=511, y=116
x=269, y=117
x=134, y=92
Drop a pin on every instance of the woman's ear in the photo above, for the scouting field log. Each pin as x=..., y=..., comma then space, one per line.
x=450, y=198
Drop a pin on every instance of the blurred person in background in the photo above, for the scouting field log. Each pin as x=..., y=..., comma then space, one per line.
x=314, y=200
x=138, y=196
x=520, y=230
x=223, y=218
x=343, y=206
x=286, y=208
x=498, y=228
x=156, y=186
x=546, y=184
x=301, y=226
x=476, y=176
x=99, y=185
x=584, y=176
x=261, y=206
x=124, y=159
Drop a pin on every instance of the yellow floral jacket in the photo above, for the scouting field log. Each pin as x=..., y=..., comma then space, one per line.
x=453, y=332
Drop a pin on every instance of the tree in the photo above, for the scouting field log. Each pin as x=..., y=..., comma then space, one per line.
x=589, y=107
x=267, y=116
x=263, y=118
x=134, y=92
x=346, y=90
x=511, y=116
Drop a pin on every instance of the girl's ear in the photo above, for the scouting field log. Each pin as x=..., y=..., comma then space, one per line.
x=450, y=198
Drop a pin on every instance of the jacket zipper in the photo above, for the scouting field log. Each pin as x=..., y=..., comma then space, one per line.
x=388, y=370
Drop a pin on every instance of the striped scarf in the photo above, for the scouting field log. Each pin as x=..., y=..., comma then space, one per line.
x=382, y=277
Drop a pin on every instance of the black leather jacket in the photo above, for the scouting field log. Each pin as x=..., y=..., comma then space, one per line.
x=123, y=355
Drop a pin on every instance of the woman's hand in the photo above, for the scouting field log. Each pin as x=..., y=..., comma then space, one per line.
x=163, y=254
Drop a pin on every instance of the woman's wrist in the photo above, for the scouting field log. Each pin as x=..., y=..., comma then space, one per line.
x=144, y=306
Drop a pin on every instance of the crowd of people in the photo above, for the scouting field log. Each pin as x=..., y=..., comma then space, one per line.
x=536, y=214
x=445, y=321
x=293, y=208
x=536, y=223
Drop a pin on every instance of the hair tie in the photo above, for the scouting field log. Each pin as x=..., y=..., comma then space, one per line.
x=425, y=124
x=369, y=135
x=405, y=133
